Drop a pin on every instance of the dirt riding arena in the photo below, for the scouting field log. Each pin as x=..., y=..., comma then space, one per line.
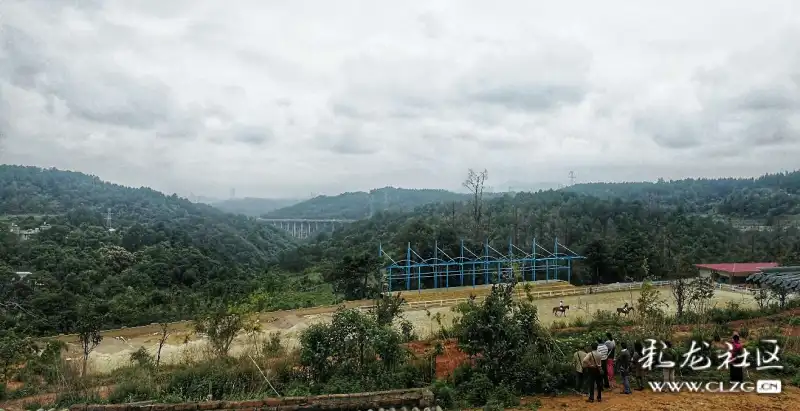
x=183, y=345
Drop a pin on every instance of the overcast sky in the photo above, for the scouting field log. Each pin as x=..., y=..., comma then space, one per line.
x=284, y=98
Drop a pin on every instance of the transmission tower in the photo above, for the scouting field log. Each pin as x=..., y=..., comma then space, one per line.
x=108, y=219
x=571, y=178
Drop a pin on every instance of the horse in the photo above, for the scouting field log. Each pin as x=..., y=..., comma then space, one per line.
x=562, y=310
x=624, y=310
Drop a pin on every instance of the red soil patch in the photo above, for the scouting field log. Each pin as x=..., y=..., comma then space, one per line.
x=448, y=361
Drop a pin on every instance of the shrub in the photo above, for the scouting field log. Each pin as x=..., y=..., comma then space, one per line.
x=444, y=394
x=142, y=358
x=578, y=322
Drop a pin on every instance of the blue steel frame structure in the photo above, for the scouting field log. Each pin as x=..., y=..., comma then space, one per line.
x=489, y=267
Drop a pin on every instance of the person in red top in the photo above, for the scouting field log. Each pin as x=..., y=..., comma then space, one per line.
x=737, y=373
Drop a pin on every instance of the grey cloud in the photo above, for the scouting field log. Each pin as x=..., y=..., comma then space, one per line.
x=670, y=130
x=252, y=135
x=774, y=98
x=347, y=139
x=103, y=96
x=112, y=98
x=533, y=97
x=743, y=106
x=431, y=25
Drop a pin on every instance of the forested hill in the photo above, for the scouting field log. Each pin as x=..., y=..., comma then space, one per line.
x=358, y=205
x=160, y=245
x=253, y=207
x=765, y=198
x=622, y=240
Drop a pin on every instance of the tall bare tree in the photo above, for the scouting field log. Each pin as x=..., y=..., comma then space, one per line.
x=475, y=183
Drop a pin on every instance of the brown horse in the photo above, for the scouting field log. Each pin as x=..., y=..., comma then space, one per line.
x=562, y=310
x=624, y=310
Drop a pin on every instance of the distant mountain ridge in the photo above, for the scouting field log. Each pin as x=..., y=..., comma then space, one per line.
x=254, y=206
x=360, y=204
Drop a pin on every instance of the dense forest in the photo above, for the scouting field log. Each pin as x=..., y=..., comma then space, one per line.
x=156, y=254
x=358, y=205
x=252, y=206
x=622, y=234
x=765, y=199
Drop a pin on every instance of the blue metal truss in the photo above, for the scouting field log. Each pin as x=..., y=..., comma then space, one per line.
x=471, y=269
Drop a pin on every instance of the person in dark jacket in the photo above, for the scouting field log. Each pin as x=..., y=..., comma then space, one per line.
x=580, y=371
x=624, y=367
x=637, y=369
x=593, y=364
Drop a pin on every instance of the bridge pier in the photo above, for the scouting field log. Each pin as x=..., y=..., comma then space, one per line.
x=303, y=228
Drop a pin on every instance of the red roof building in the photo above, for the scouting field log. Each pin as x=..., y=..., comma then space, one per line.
x=731, y=273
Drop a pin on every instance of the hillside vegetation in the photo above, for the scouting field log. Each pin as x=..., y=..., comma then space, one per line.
x=358, y=205
x=622, y=239
x=766, y=198
x=253, y=207
x=166, y=257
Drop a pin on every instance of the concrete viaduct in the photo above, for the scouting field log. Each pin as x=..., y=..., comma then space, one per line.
x=305, y=227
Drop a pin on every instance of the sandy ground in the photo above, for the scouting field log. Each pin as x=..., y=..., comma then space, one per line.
x=183, y=345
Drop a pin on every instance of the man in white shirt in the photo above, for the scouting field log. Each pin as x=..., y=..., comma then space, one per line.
x=602, y=349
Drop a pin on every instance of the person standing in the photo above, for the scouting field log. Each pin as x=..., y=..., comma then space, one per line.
x=602, y=349
x=737, y=373
x=612, y=350
x=624, y=365
x=580, y=371
x=668, y=355
x=636, y=365
x=593, y=366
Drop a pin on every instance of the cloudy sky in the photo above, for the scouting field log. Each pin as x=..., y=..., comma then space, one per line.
x=284, y=98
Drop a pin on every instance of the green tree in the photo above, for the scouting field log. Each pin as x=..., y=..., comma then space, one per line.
x=509, y=347
x=88, y=330
x=14, y=350
x=356, y=276
x=221, y=324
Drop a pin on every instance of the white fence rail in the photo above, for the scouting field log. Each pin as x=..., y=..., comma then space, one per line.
x=536, y=294
x=733, y=288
